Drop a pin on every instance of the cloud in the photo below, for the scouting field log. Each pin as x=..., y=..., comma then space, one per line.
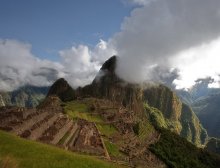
x=198, y=62
x=79, y=65
x=82, y=63
x=18, y=66
x=156, y=33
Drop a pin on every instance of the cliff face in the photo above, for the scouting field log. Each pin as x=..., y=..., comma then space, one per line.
x=191, y=126
x=165, y=100
x=170, y=110
x=178, y=116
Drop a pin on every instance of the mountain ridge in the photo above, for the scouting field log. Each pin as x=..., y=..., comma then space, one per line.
x=26, y=96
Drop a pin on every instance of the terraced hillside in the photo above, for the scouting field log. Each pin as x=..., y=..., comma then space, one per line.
x=90, y=126
x=50, y=125
x=116, y=125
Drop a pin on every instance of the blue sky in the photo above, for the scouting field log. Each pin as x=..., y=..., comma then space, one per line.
x=52, y=25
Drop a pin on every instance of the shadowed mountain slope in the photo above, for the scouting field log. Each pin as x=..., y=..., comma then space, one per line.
x=62, y=89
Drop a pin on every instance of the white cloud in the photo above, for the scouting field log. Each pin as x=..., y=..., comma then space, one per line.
x=79, y=65
x=198, y=62
x=82, y=64
x=156, y=32
x=18, y=66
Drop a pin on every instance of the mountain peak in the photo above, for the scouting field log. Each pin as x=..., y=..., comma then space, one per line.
x=110, y=64
x=107, y=71
x=62, y=89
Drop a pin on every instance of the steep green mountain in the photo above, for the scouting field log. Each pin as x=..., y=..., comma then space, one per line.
x=177, y=116
x=27, y=96
x=205, y=102
x=62, y=89
x=177, y=152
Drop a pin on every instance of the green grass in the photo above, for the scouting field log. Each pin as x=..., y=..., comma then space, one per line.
x=77, y=106
x=76, y=109
x=29, y=154
x=113, y=149
x=106, y=129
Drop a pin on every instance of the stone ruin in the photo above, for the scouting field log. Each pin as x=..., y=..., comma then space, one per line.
x=88, y=139
x=49, y=125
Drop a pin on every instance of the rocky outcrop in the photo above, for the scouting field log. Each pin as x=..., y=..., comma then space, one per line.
x=165, y=100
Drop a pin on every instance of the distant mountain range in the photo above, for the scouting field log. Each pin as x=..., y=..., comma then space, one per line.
x=205, y=102
x=26, y=96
